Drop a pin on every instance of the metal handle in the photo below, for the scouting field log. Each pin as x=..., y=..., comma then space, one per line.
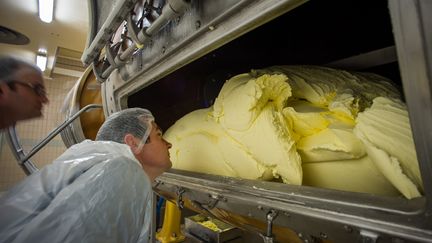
x=23, y=159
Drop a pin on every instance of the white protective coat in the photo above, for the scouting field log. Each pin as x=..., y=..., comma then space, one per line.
x=94, y=192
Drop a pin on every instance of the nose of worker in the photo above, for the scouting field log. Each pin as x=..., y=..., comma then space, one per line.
x=169, y=145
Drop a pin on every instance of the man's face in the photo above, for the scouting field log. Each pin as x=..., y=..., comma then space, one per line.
x=155, y=152
x=22, y=96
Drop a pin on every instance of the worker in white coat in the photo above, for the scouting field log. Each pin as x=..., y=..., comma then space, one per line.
x=97, y=191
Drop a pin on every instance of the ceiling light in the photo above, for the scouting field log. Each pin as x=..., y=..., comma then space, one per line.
x=41, y=60
x=46, y=8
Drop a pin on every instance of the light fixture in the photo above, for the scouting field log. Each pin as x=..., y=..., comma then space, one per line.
x=46, y=9
x=41, y=60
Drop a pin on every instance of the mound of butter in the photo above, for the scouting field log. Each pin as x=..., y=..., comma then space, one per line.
x=305, y=125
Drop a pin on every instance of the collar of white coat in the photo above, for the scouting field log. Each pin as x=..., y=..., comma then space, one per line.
x=114, y=147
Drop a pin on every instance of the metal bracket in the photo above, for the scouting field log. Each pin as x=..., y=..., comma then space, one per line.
x=179, y=201
x=110, y=54
x=307, y=238
x=98, y=70
x=368, y=236
x=268, y=237
x=213, y=201
x=207, y=207
x=133, y=31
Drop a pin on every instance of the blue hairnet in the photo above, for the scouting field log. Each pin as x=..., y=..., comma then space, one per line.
x=136, y=121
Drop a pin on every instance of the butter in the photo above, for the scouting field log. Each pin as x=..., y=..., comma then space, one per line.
x=227, y=134
x=211, y=225
x=355, y=175
x=200, y=144
x=306, y=125
x=385, y=130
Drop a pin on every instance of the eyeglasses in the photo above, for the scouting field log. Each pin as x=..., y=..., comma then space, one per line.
x=39, y=89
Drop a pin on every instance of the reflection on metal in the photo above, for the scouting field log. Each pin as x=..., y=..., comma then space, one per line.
x=194, y=31
x=413, y=35
x=367, y=60
x=27, y=166
x=216, y=231
x=86, y=91
x=179, y=201
x=183, y=41
x=268, y=237
x=311, y=212
x=97, y=38
x=23, y=159
x=368, y=237
x=139, y=28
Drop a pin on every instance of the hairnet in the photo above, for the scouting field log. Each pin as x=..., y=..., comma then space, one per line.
x=136, y=121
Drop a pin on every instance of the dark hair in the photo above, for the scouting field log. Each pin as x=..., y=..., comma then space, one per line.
x=10, y=65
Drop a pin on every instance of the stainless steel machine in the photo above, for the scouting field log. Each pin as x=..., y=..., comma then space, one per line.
x=173, y=57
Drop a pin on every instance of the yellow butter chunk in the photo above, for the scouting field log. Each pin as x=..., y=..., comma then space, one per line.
x=385, y=130
x=223, y=140
x=307, y=125
x=209, y=224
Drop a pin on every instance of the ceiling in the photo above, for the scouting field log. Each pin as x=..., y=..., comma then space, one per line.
x=67, y=31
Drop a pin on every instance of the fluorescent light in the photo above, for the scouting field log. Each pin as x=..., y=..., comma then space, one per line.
x=46, y=8
x=41, y=61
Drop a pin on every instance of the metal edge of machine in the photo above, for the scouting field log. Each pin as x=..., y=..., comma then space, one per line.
x=342, y=216
x=321, y=213
x=214, y=31
x=73, y=133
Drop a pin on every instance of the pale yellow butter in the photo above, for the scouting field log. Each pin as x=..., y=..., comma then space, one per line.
x=305, y=125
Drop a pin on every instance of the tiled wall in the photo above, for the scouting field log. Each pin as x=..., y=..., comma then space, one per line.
x=32, y=131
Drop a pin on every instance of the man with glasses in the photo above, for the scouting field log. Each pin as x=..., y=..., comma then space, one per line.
x=22, y=91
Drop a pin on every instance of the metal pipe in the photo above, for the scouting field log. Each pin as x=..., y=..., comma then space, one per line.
x=28, y=167
x=56, y=131
x=126, y=54
x=169, y=11
x=107, y=72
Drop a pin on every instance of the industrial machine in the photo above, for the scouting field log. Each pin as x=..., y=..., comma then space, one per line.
x=173, y=57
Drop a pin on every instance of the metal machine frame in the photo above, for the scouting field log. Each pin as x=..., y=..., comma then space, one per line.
x=312, y=213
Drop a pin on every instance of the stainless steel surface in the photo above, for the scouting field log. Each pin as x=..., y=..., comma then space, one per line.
x=341, y=216
x=205, y=26
x=412, y=22
x=118, y=11
x=313, y=213
x=73, y=133
x=270, y=218
x=23, y=158
x=172, y=9
x=57, y=130
x=27, y=166
x=367, y=60
x=224, y=233
x=230, y=22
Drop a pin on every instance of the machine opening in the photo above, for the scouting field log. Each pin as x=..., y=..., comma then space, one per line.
x=316, y=33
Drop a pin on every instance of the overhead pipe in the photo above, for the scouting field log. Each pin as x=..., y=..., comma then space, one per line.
x=171, y=10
